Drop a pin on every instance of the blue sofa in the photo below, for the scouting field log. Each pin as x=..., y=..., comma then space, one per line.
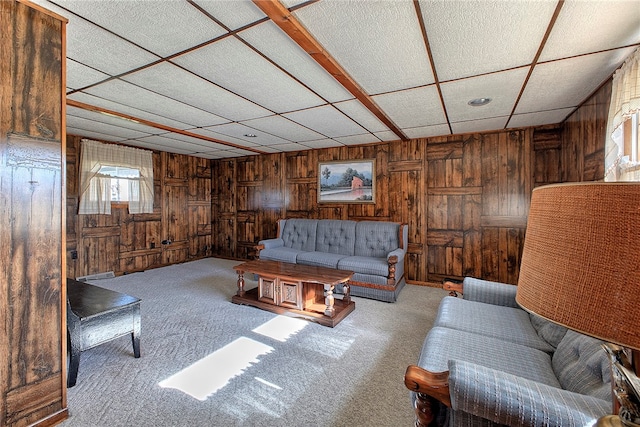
x=487, y=362
x=373, y=250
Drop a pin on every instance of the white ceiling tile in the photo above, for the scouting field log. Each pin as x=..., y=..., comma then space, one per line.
x=134, y=96
x=243, y=12
x=379, y=43
x=164, y=27
x=158, y=147
x=284, y=128
x=326, y=120
x=169, y=143
x=174, y=82
x=603, y=25
x=97, y=48
x=79, y=75
x=241, y=131
x=503, y=89
x=556, y=84
x=427, y=131
x=124, y=109
x=358, y=139
x=412, y=108
x=91, y=134
x=292, y=146
x=269, y=39
x=540, y=118
x=112, y=120
x=236, y=67
x=237, y=141
x=108, y=129
x=480, y=125
x=361, y=115
x=474, y=37
x=322, y=143
x=386, y=136
x=197, y=144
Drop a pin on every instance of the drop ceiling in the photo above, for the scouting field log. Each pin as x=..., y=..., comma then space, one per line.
x=228, y=78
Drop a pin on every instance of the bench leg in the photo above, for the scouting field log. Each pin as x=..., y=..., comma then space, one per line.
x=74, y=362
x=135, y=335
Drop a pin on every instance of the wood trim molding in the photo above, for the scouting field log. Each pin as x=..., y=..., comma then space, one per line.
x=283, y=18
x=89, y=107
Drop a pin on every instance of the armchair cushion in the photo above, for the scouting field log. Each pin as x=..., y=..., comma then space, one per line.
x=497, y=321
x=512, y=400
x=444, y=344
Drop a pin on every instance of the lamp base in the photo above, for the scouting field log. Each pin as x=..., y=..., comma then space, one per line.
x=614, y=421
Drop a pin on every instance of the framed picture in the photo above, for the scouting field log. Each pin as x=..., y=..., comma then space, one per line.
x=347, y=181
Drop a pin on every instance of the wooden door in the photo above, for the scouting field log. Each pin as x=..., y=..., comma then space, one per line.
x=175, y=218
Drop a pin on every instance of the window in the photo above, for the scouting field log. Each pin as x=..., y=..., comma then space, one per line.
x=622, y=152
x=630, y=162
x=119, y=181
x=113, y=173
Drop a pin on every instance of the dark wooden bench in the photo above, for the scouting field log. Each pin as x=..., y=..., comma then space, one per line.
x=97, y=315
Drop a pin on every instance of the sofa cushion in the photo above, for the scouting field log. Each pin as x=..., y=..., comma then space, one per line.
x=582, y=365
x=376, y=238
x=282, y=253
x=547, y=330
x=497, y=321
x=336, y=236
x=320, y=259
x=444, y=344
x=300, y=234
x=365, y=265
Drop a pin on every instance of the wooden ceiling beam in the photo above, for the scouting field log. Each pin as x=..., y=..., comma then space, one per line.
x=282, y=17
x=89, y=107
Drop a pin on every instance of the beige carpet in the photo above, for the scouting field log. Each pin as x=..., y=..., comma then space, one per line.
x=208, y=362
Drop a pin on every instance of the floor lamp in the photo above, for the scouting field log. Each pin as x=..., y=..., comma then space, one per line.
x=581, y=269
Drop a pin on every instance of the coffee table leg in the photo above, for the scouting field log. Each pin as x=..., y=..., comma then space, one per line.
x=347, y=293
x=240, y=283
x=328, y=300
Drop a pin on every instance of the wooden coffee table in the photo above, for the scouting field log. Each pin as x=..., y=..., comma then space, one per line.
x=299, y=290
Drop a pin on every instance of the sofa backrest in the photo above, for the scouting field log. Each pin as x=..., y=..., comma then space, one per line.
x=299, y=233
x=582, y=366
x=336, y=236
x=376, y=238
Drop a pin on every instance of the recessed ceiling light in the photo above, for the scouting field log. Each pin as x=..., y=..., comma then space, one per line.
x=479, y=102
x=250, y=135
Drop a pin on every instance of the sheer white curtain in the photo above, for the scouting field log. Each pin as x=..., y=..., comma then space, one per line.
x=95, y=189
x=625, y=101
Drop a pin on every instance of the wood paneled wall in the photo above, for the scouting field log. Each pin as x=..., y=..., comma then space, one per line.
x=464, y=197
x=124, y=243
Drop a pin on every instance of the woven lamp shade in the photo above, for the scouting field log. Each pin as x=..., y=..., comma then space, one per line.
x=581, y=259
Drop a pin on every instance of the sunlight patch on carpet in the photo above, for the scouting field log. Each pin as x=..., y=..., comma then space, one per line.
x=211, y=373
x=281, y=328
x=265, y=382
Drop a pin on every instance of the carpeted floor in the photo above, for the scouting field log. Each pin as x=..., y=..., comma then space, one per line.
x=208, y=362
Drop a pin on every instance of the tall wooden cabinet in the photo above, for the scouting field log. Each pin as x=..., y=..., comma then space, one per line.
x=32, y=139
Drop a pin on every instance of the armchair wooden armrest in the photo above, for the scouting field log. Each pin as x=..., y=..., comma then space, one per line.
x=454, y=287
x=258, y=248
x=430, y=388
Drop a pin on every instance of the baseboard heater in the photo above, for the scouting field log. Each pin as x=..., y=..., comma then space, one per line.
x=97, y=276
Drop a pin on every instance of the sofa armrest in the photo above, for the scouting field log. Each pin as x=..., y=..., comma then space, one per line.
x=271, y=243
x=515, y=401
x=431, y=391
x=489, y=292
